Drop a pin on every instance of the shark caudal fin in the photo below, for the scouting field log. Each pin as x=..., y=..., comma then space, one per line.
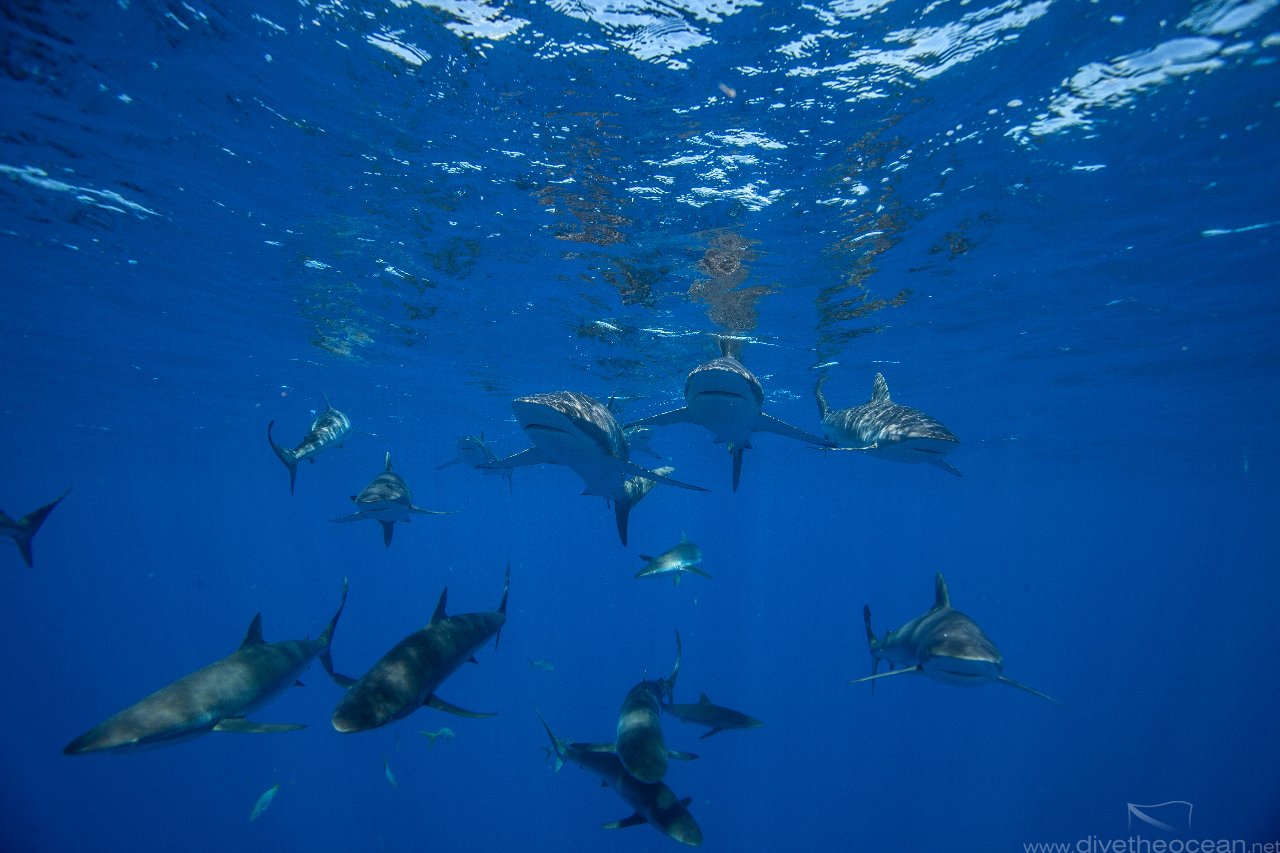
x=557, y=745
x=872, y=643
x=670, y=682
x=736, y=452
x=1004, y=679
x=823, y=408
x=25, y=528
x=327, y=636
x=286, y=456
x=502, y=605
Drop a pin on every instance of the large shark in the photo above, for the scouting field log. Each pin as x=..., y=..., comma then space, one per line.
x=883, y=428
x=654, y=802
x=683, y=557
x=474, y=451
x=726, y=398
x=572, y=429
x=21, y=530
x=386, y=500
x=328, y=430
x=704, y=713
x=640, y=745
x=215, y=698
x=406, y=678
x=943, y=643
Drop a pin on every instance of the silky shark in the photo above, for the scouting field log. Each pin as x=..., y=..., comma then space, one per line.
x=406, y=678
x=215, y=698
x=883, y=428
x=386, y=500
x=474, y=451
x=572, y=429
x=944, y=644
x=719, y=718
x=654, y=802
x=328, y=429
x=682, y=557
x=22, y=530
x=640, y=745
x=726, y=398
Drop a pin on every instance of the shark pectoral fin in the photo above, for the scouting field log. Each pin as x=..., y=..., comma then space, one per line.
x=439, y=704
x=713, y=730
x=694, y=570
x=597, y=747
x=1003, y=679
x=910, y=670
x=948, y=467
x=638, y=471
x=419, y=509
x=869, y=448
x=635, y=820
x=681, y=756
x=531, y=456
x=675, y=416
x=298, y=683
x=768, y=423
x=240, y=725
x=355, y=516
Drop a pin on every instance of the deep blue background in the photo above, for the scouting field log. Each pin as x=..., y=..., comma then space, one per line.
x=1107, y=356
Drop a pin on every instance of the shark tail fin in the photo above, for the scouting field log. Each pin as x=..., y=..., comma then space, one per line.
x=621, y=516
x=29, y=524
x=557, y=746
x=675, y=670
x=823, y=408
x=286, y=456
x=872, y=643
x=502, y=605
x=388, y=530
x=736, y=451
x=326, y=654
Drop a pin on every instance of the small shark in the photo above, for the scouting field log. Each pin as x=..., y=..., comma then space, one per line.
x=472, y=450
x=639, y=438
x=386, y=500
x=726, y=398
x=572, y=429
x=443, y=732
x=329, y=428
x=682, y=557
x=883, y=428
x=22, y=530
x=640, y=745
x=703, y=713
x=944, y=644
x=654, y=802
x=215, y=698
x=406, y=678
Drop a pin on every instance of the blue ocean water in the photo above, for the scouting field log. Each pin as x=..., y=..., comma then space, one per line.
x=1051, y=225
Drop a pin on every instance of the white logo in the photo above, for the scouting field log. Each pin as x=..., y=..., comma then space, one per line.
x=1173, y=816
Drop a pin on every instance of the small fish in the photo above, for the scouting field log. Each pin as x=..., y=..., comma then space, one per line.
x=432, y=737
x=391, y=777
x=21, y=530
x=544, y=665
x=683, y=557
x=264, y=801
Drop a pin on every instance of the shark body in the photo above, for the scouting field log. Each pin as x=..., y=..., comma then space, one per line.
x=880, y=427
x=407, y=677
x=386, y=500
x=726, y=398
x=654, y=802
x=577, y=431
x=943, y=643
x=328, y=430
x=215, y=698
x=704, y=713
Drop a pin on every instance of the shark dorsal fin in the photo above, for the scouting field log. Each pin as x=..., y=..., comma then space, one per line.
x=703, y=700
x=941, y=598
x=880, y=390
x=730, y=346
x=439, y=614
x=253, y=637
x=388, y=460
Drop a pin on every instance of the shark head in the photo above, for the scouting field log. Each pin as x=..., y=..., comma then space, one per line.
x=724, y=382
x=956, y=651
x=566, y=422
